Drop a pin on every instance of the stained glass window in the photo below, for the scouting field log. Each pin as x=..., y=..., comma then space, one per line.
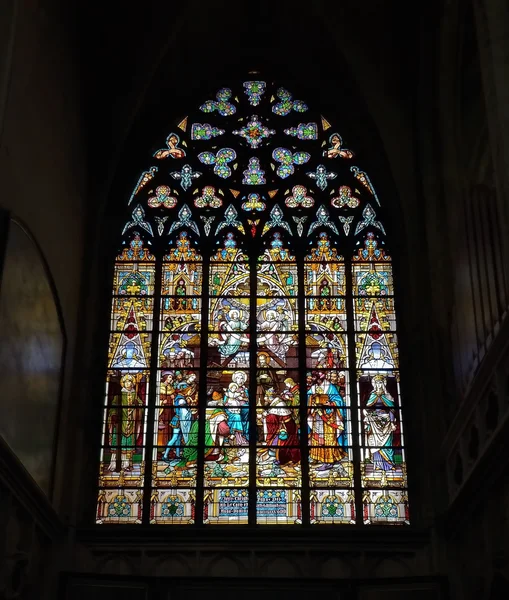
x=253, y=369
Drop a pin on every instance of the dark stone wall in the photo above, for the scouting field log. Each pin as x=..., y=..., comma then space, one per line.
x=280, y=588
x=31, y=356
x=43, y=174
x=42, y=156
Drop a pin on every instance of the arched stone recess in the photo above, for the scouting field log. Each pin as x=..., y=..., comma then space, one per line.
x=224, y=565
x=280, y=566
x=32, y=350
x=336, y=566
x=116, y=565
x=172, y=566
x=392, y=567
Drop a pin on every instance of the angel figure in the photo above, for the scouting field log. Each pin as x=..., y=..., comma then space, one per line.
x=231, y=338
x=336, y=150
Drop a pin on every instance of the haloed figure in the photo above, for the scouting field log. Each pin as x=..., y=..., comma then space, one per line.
x=231, y=334
x=326, y=422
x=125, y=423
x=380, y=424
x=377, y=358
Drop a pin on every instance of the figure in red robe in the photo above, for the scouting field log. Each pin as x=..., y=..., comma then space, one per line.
x=281, y=432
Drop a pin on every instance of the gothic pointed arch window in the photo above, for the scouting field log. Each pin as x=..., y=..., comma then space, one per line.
x=253, y=372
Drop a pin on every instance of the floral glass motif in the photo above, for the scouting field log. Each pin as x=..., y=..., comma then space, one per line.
x=286, y=104
x=230, y=219
x=345, y=198
x=160, y=224
x=207, y=223
x=304, y=131
x=322, y=176
x=347, y=221
x=299, y=198
x=254, y=174
x=221, y=104
x=300, y=224
x=184, y=220
x=135, y=252
x=119, y=506
x=138, y=220
x=162, y=197
x=219, y=160
x=183, y=251
x=253, y=203
x=323, y=220
x=332, y=506
x=254, y=132
x=252, y=333
x=276, y=220
x=254, y=91
x=185, y=176
x=287, y=160
x=208, y=198
x=371, y=252
x=205, y=131
x=368, y=220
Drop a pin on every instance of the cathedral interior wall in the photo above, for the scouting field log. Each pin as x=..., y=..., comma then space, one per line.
x=434, y=114
x=43, y=170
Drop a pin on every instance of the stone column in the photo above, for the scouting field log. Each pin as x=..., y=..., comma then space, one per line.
x=492, y=22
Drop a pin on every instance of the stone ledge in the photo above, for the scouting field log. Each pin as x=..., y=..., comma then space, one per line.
x=15, y=478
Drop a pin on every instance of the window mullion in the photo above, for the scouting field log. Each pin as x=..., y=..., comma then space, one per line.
x=152, y=395
x=354, y=399
x=202, y=392
x=252, y=389
x=303, y=404
x=194, y=467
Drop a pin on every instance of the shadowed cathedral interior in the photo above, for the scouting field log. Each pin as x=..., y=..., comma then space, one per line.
x=302, y=380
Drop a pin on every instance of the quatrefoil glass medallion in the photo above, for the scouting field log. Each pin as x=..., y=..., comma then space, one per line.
x=254, y=132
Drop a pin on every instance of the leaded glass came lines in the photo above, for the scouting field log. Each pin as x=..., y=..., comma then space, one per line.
x=253, y=373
